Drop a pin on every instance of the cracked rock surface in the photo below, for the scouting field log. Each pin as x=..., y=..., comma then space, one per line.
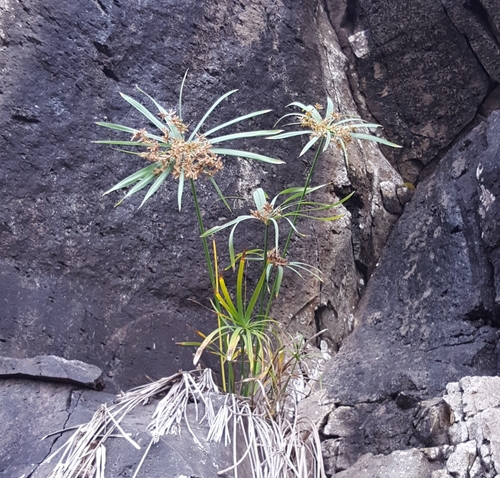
x=472, y=448
x=423, y=67
x=429, y=315
x=32, y=409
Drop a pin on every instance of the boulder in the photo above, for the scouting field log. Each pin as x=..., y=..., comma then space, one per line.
x=422, y=68
x=53, y=369
x=34, y=415
x=430, y=312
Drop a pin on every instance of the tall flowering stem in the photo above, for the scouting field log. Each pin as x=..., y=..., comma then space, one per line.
x=294, y=221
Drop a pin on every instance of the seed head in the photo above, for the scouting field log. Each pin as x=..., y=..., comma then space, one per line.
x=266, y=213
x=274, y=258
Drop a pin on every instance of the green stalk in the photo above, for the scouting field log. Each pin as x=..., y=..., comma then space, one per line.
x=295, y=217
x=299, y=205
x=263, y=292
x=204, y=239
x=211, y=274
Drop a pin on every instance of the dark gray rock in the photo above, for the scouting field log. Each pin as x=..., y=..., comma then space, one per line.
x=423, y=68
x=53, y=369
x=29, y=410
x=430, y=313
x=113, y=287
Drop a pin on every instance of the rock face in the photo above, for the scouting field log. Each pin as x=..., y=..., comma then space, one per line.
x=472, y=442
x=430, y=313
x=423, y=67
x=120, y=287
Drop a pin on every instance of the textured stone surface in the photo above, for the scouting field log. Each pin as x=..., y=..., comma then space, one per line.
x=29, y=410
x=461, y=460
x=407, y=464
x=423, y=67
x=475, y=404
x=430, y=313
x=54, y=369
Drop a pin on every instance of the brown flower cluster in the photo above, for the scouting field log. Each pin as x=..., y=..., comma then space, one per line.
x=173, y=119
x=195, y=158
x=267, y=213
x=320, y=128
x=275, y=259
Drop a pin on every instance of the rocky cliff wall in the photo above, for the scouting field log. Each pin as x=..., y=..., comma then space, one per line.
x=119, y=287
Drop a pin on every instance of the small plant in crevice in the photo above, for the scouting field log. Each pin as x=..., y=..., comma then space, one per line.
x=257, y=365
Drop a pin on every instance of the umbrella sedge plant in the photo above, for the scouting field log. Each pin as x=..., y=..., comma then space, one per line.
x=181, y=154
x=255, y=361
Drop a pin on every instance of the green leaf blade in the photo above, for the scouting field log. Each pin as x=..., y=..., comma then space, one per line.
x=247, y=155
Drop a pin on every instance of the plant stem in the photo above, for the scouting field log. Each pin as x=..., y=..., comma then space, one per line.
x=227, y=384
x=203, y=239
x=299, y=205
x=263, y=292
x=295, y=217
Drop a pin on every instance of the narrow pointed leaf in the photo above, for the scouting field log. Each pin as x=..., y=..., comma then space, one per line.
x=236, y=120
x=180, y=93
x=180, y=189
x=279, y=279
x=293, y=227
x=255, y=295
x=137, y=176
x=219, y=192
x=290, y=134
x=205, y=343
x=171, y=126
x=315, y=113
x=239, y=287
x=247, y=134
x=159, y=181
x=119, y=143
x=376, y=139
x=215, y=229
x=231, y=247
x=314, y=271
x=233, y=344
x=367, y=125
x=207, y=114
x=246, y=154
x=309, y=145
x=276, y=234
x=142, y=109
x=229, y=306
x=332, y=218
x=361, y=122
x=118, y=127
x=329, y=107
x=297, y=193
x=249, y=349
x=328, y=139
x=259, y=198
x=302, y=106
x=141, y=184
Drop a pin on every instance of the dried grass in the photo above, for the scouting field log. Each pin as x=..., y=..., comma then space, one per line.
x=273, y=446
